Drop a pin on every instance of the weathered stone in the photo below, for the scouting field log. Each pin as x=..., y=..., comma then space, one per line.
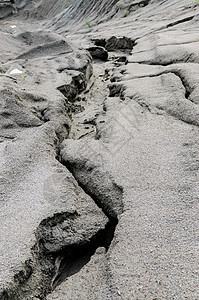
x=99, y=159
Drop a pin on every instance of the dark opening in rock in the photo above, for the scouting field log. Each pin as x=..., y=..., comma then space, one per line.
x=73, y=259
x=98, y=52
x=122, y=43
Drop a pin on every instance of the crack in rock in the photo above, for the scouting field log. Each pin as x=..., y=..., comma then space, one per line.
x=67, y=240
x=69, y=235
x=71, y=203
x=70, y=261
x=93, y=179
x=180, y=21
x=76, y=86
x=116, y=43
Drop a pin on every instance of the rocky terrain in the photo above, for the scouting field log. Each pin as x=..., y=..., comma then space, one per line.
x=99, y=149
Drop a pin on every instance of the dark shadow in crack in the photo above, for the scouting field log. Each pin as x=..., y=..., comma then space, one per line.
x=124, y=44
x=75, y=257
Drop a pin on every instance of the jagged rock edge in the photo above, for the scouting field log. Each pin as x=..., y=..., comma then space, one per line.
x=47, y=283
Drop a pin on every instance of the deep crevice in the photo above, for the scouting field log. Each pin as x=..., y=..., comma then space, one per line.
x=123, y=44
x=133, y=7
x=116, y=90
x=180, y=21
x=73, y=258
x=74, y=88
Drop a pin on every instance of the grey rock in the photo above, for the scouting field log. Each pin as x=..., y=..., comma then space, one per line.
x=44, y=200
x=94, y=179
x=99, y=159
x=7, y=8
x=92, y=13
x=35, y=121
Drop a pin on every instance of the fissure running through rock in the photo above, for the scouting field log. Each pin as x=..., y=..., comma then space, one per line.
x=99, y=106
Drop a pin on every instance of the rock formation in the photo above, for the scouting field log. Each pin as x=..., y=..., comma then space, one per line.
x=99, y=147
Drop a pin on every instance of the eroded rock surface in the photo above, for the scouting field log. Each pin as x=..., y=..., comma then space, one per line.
x=99, y=150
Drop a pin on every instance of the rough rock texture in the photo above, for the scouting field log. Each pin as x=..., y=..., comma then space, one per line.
x=99, y=150
x=7, y=7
